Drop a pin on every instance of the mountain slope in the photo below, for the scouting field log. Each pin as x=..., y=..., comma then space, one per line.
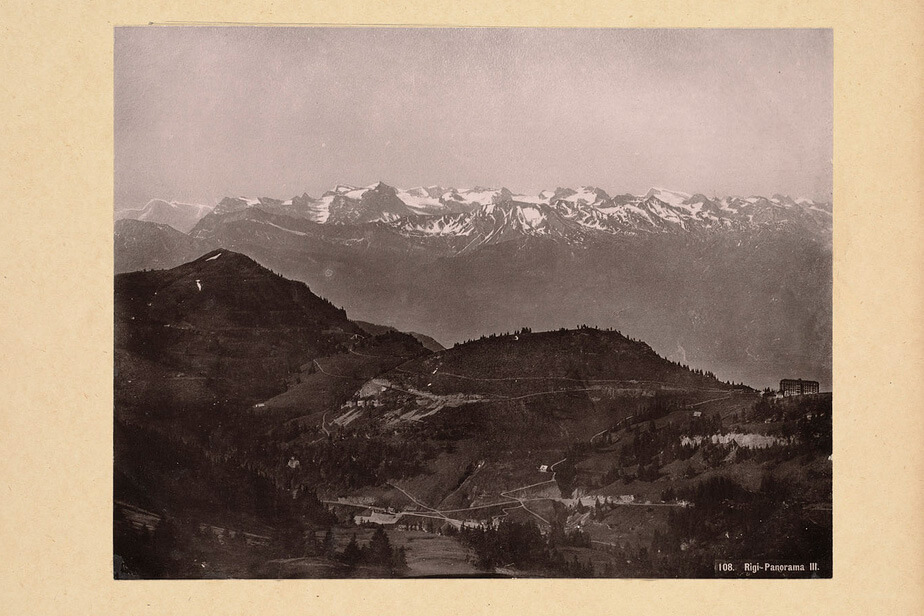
x=749, y=303
x=377, y=330
x=181, y=216
x=148, y=245
x=219, y=363
x=667, y=266
x=525, y=363
x=222, y=324
x=507, y=403
x=244, y=401
x=658, y=210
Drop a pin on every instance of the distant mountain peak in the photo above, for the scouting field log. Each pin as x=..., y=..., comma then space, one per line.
x=671, y=197
x=181, y=216
x=503, y=195
x=224, y=259
x=585, y=208
x=382, y=187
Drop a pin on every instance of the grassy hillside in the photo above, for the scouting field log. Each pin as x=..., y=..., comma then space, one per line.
x=243, y=401
x=223, y=320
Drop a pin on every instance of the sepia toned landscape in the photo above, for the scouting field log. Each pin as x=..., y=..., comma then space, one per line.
x=395, y=379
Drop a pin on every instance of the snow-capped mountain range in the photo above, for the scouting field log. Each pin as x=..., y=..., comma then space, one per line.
x=458, y=263
x=181, y=216
x=495, y=214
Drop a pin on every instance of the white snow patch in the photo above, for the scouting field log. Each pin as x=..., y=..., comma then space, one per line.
x=477, y=197
x=530, y=199
x=587, y=194
x=419, y=202
x=671, y=197
x=322, y=209
x=213, y=258
x=531, y=216
x=638, y=211
x=264, y=222
x=199, y=284
x=357, y=193
x=693, y=208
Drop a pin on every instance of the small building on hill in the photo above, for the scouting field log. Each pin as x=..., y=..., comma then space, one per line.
x=797, y=387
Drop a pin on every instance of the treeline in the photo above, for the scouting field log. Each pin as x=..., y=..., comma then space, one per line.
x=183, y=547
x=729, y=522
x=188, y=475
x=524, y=331
x=521, y=545
x=377, y=553
x=347, y=459
x=644, y=447
x=356, y=460
x=807, y=418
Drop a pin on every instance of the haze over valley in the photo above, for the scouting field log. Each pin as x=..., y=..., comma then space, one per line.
x=740, y=286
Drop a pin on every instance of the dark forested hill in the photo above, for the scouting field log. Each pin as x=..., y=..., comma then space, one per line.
x=749, y=303
x=220, y=328
x=245, y=401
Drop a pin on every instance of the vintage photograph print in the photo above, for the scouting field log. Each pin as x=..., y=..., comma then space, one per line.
x=472, y=302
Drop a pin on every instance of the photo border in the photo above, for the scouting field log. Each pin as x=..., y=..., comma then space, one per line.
x=57, y=346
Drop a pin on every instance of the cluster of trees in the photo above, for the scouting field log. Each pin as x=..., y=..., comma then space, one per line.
x=347, y=459
x=177, y=547
x=558, y=536
x=644, y=447
x=600, y=510
x=528, y=330
x=354, y=460
x=509, y=544
x=377, y=553
x=190, y=475
x=729, y=522
x=699, y=372
x=520, y=332
x=148, y=554
x=808, y=418
x=652, y=447
x=522, y=546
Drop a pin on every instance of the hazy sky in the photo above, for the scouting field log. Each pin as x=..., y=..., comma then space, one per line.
x=201, y=113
